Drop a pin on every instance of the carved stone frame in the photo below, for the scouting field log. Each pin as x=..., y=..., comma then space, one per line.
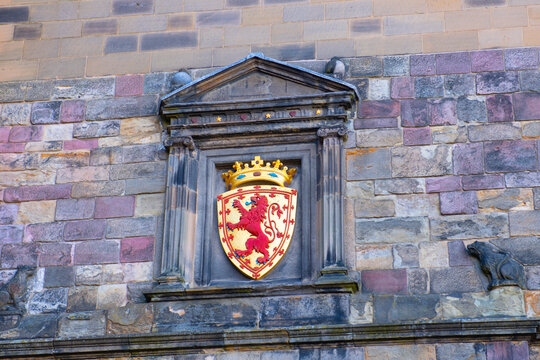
x=317, y=131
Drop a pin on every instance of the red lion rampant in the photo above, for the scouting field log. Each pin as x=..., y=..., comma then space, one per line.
x=251, y=220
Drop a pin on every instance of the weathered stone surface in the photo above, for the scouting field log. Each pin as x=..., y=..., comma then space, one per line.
x=8, y=213
x=456, y=279
x=479, y=182
x=49, y=232
x=88, y=274
x=379, y=89
x=526, y=106
x=96, y=129
x=11, y=233
x=525, y=223
x=459, y=85
x=130, y=227
x=443, y=111
x=468, y=159
x=48, y=301
x=284, y=311
x=36, y=326
x=36, y=212
x=46, y=112
x=369, y=257
x=499, y=108
x=12, y=91
x=396, y=309
x=15, y=114
x=461, y=351
x=114, y=206
x=521, y=58
x=14, y=255
x=379, y=109
x=417, y=281
x=223, y=314
x=378, y=138
x=74, y=209
x=96, y=252
x=422, y=64
x=82, y=298
x=458, y=255
x=508, y=156
x=458, y=202
x=392, y=230
x=533, y=277
x=365, y=66
x=368, y=208
x=429, y=87
x=84, y=89
x=53, y=254
x=37, y=192
x=504, y=301
x=111, y=296
x=82, y=324
x=98, y=188
x=507, y=350
x=417, y=136
x=137, y=249
x=405, y=256
x=524, y=179
x=415, y=113
x=504, y=200
x=471, y=109
x=123, y=107
x=445, y=183
x=59, y=276
x=387, y=281
x=399, y=186
x=421, y=161
x=433, y=254
x=359, y=189
x=368, y=164
x=526, y=250
x=497, y=82
x=503, y=131
x=402, y=88
x=417, y=205
x=530, y=80
x=536, y=193
x=84, y=230
x=140, y=170
x=531, y=130
x=469, y=226
x=400, y=352
x=356, y=353
x=131, y=319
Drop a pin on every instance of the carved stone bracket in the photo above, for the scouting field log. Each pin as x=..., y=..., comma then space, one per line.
x=340, y=131
x=186, y=141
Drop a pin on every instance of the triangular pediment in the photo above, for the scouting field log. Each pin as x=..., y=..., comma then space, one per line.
x=256, y=77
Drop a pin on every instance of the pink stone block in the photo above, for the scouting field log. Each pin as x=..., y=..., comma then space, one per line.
x=379, y=108
x=77, y=144
x=114, y=206
x=499, y=108
x=526, y=106
x=445, y=183
x=443, y=112
x=25, y=133
x=422, y=65
x=453, y=63
x=482, y=182
x=55, y=254
x=468, y=158
x=402, y=88
x=458, y=202
x=37, y=192
x=489, y=60
x=137, y=249
x=96, y=252
x=385, y=281
x=129, y=85
x=417, y=136
x=4, y=133
x=72, y=111
x=11, y=148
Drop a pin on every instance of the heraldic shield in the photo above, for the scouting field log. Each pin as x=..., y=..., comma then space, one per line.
x=256, y=222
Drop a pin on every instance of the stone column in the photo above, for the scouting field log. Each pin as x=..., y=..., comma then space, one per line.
x=332, y=162
x=180, y=213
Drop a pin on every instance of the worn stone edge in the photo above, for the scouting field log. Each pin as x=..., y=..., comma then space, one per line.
x=317, y=336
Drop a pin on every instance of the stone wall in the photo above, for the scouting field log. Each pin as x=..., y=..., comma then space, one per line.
x=66, y=39
x=444, y=151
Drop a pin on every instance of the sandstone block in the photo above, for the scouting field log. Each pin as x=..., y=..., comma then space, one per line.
x=505, y=301
x=433, y=254
x=97, y=129
x=88, y=274
x=83, y=89
x=417, y=281
x=122, y=107
x=59, y=276
x=14, y=255
x=25, y=133
x=368, y=66
x=88, y=173
x=75, y=209
x=392, y=230
x=399, y=186
x=426, y=352
x=98, y=188
x=523, y=249
x=417, y=205
x=456, y=279
x=369, y=257
x=453, y=63
x=11, y=233
x=402, y=88
x=149, y=205
x=524, y=179
x=129, y=85
x=378, y=138
x=505, y=200
x=421, y=161
x=84, y=324
x=415, y=113
x=96, y=252
x=131, y=319
x=54, y=254
x=82, y=298
x=36, y=212
x=15, y=114
x=48, y=301
x=368, y=164
x=469, y=226
x=468, y=159
x=405, y=256
x=458, y=255
x=417, y=136
x=8, y=213
x=368, y=208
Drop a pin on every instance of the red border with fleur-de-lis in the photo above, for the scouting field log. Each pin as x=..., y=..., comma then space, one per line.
x=226, y=237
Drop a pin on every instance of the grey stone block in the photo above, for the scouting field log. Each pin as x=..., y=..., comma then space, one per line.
x=395, y=309
x=526, y=250
x=533, y=277
x=421, y=161
x=364, y=26
x=48, y=301
x=27, y=32
x=46, y=112
x=15, y=114
x=38, y=90
x=218, y=18
x=459, y=85
x=456, y=279
x=369, y=165
x=125, y=7
x=94, y=27
x=524, y=222
x=429, y=87
x=38, y=326
x=392, y=230
x=405, y=255
x=395, y=65
x=530, y=80
x=119, y=44
x=59, y=276
x=471, y=110
x=366, y=66
x=45, y=232
x=84, y=89
x=74, y=209
x=399, y=186
x=14, y=14
x=82, y=324
x=417, y=281
x=128, y=227
x=98, y=129
x=288, y=52
x=122, y=107
x=170, y=40
x=148, y=185
x=469, y=226
x=12, y=91
x=536, y=193
x=139, y=170
x=82, y=298
x=461, y=351
x=157, y=83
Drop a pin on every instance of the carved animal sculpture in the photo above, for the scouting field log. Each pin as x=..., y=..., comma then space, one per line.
x=14, y=292
x=251, y=220
x=498, y=265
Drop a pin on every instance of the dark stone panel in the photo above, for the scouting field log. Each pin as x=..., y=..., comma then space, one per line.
x=361, y=86
x=124, y=7
x=471, y=110
x=497, y=82
x=395, y=309
x=526, y=250
x=366, y=26
x=38, y=326
x=169, y=40
x=122, y=107
x=59, y=276
x=14, y=14
x=272, y=2
x=482, y=3
x=429, y=86
x=218, y=18
x=304, y=310
x=288, y=52
x=12, y=91
x=366, y=66
x=456, y=279
x=107, y=26
x=242, y=2
x=27, y=31
x=508, y=156
x=117, y=44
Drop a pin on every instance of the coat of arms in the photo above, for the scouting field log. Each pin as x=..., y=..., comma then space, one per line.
x=256, y=222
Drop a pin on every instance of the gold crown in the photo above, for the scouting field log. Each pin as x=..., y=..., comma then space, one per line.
x=259, y=172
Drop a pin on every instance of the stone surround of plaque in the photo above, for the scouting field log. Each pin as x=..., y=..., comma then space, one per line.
x=255, y=107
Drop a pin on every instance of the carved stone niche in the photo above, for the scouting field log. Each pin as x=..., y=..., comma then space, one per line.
x=256, y=106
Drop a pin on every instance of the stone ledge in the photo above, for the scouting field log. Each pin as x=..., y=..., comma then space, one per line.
x=317, y=336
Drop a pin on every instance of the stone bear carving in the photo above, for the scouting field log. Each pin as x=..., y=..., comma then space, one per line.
x=13, y=293
x=498, y=265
